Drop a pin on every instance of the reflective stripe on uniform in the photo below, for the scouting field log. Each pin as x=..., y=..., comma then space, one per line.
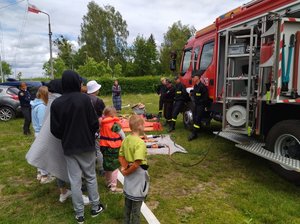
x=178, y=92
x=198, y=94
x=196, y=126
x=173, y=120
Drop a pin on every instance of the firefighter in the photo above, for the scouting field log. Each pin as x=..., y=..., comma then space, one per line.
x=181, y=96
x=168, y=99
x=161, y=90
x=200, y=99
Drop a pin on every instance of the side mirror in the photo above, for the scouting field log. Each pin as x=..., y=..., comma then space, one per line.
x=173, y=65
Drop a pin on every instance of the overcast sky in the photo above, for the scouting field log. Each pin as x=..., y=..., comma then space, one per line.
x=24, y=42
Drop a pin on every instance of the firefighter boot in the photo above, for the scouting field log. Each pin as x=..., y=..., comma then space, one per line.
x=171, y=126
x=193, y=135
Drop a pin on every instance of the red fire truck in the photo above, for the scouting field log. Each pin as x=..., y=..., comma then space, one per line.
x=249, y=60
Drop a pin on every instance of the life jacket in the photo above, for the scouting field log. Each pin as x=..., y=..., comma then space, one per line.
x=108, y=138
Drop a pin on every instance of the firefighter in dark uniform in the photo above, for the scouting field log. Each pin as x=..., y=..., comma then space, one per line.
x=25, y=97
x=161, y=90
x=181, y=96
x=168, y=99
x=200, y=99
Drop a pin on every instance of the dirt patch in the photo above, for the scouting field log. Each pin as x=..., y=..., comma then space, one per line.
x=152, y=205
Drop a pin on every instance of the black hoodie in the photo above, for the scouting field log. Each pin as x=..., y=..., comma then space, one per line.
x=73, y=118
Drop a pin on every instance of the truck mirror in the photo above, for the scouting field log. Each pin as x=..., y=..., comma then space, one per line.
x=173, y=65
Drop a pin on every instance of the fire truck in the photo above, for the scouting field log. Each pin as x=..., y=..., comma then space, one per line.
x=249, y=61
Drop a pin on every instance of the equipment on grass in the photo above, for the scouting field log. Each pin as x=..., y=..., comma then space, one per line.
x=155, y=146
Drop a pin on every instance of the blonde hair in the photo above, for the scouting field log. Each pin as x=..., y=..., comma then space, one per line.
x=109, y=111
x=135, y=121
x=42, y=94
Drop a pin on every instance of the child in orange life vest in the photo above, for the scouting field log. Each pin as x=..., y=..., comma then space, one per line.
x=111, y=136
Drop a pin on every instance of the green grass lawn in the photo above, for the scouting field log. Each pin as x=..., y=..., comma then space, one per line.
x=229, y=186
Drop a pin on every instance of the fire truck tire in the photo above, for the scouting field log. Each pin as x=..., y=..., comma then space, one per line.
x=284, y=139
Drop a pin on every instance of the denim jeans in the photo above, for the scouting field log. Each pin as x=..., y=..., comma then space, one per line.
x=132, y=211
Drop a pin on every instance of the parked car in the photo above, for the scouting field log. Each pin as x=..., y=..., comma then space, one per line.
x=32, y=86
x=9, y=102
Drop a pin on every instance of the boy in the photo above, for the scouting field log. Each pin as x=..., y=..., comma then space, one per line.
x=132, y=157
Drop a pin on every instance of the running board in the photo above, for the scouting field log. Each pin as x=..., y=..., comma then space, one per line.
x=251, y=145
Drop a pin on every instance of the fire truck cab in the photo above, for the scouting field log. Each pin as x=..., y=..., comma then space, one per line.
x=249, y=61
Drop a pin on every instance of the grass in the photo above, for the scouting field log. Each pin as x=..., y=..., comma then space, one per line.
x=228, y=186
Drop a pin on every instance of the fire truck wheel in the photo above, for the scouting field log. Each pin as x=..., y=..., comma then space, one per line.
x=188, y=119
x=284, y=139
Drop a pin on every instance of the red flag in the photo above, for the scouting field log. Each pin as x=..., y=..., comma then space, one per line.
x=33, y=8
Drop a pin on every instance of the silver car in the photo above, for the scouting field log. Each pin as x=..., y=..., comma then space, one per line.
x=9, y=102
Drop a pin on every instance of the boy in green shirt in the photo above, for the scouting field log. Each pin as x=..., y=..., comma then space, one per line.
x=132, y=157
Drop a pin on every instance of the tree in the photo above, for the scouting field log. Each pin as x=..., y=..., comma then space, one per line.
x=6, y=69
x=19, y=75
x=144, y=56
x=94, y=69
x=104, y=34
x=58, y=68
x=65, y=51
x=117, y=70
x=174, y=40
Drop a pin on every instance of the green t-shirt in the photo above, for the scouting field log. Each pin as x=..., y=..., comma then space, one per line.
x=134, y=148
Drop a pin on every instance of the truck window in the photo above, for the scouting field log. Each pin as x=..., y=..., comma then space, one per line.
x=206, y=55
x=186, y=60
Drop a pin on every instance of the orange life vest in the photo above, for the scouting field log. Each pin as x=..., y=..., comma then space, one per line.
x=108, y=138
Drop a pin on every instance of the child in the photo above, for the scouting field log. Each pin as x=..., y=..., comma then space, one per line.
x=132, y=157
x=38, y=106
x=111, y=136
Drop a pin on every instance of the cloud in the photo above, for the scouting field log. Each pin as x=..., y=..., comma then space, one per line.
x=24, y=36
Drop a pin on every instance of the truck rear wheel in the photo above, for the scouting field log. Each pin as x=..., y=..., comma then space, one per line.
x=284, y=139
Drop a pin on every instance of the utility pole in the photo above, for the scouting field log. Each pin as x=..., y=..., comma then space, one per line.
x=1, y=71
x=50, y=44
x=34, y=9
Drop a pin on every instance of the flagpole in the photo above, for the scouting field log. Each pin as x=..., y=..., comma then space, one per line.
x=50, y=44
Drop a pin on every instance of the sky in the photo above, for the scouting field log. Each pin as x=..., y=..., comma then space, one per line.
x=24, y=39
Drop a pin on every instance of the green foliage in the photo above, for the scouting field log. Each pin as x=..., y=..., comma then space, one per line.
x=6, y=69
x=174, y=40
x=65, y=51
x=58, y=68
x=90, y=68
x=104, y=33
x=144, y=57
x=117, y=70
x=98, y=69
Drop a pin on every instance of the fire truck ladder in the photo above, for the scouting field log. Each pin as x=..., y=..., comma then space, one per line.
x=240, y=73
x=256, y=147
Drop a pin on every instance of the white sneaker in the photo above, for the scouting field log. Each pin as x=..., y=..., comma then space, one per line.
x=39, y=176
x=63, y=197
x=86, y=200
x=47, y=179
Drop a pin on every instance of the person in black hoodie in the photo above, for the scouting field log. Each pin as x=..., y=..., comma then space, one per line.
x=74, y=121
